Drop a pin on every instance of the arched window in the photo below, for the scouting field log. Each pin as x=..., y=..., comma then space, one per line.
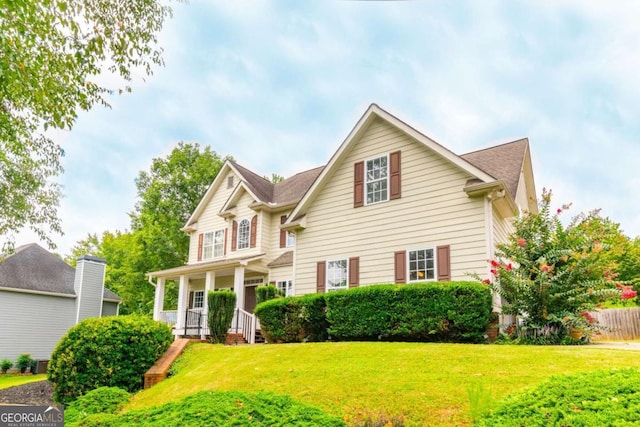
x=244, y=231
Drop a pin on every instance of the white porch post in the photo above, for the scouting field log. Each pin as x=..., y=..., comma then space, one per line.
x=183, y=298
x=158, y=302
x=238, y=286
x=209, y=285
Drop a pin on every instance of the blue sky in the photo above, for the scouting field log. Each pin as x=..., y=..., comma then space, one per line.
x=280, y=85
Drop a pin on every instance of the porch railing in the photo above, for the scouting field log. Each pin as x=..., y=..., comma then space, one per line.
x=244, y=323
x=195, y=323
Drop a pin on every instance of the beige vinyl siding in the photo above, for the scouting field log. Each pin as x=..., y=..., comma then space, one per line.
x=210, y=220
x=521, y=196
x=33, y=323
x=273, y=237
x=502, y=228
x=245, y=212
x=433, y=210
x=281, y=273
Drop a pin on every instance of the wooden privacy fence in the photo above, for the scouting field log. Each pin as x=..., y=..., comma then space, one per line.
x=619, y=323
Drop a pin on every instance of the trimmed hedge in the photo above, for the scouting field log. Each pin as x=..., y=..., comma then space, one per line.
x=221, y=408
x=112, y=351
x=600, y=398
x=293, y=319
x=103, y=400
x=449, y=312
x=438, y=311
x=266, y=293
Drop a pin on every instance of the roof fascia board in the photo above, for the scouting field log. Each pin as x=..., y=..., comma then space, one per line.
x=35, y=292
x=209, y=193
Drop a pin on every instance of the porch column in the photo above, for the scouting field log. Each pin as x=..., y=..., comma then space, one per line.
x=183, y=298
x=209, y=285
x=238, y=286
x=158, y=302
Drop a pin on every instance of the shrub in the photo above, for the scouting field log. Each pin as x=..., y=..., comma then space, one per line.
x=217, y=408
x=222, y=304
x=294, y=319
x=451, y=311
x=5, y=365
x=103, y=400
x=266, y=293
x=110, y=351
x=24, y=362
x=601, y=398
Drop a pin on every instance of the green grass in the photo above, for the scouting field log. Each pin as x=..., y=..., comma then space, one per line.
x=426, y=383
x=10, y=380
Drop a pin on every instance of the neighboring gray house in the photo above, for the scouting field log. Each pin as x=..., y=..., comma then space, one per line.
x=41, y=297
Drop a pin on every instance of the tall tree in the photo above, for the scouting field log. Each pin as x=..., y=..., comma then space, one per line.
x=51, y=54
x=168, y=193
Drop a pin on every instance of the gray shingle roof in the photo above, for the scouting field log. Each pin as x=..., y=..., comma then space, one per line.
x=33, y=268
x=287, y=191
x=501, y=162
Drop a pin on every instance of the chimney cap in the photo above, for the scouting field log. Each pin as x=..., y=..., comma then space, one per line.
x=92, y=258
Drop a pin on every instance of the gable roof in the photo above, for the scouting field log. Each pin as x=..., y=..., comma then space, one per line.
x=503, y=162
x=285, y=192
x=372, y=113
x=33, y=268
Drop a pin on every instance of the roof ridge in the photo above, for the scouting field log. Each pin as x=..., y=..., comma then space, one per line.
x=524, y=139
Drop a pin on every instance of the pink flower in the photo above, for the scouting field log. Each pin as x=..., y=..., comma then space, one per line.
x=494, y=271
x=588, y=316
x=486, y=281
x=521, y=242
x=494, y=263
x=509, y=267
x=628, y=293
x=559, y=211
x=545, y=268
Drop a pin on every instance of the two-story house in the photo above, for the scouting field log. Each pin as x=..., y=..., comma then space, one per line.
x=390, y=206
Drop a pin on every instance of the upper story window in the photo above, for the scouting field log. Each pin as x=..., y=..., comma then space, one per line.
x=291, y=239
x=377, y=180
x=244, y=232
x=213, y=244
x=337, y=274
x=422, y=265
x=230, y=181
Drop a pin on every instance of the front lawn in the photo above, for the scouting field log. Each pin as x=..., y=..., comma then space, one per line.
x=10, y=380
x=429, y=384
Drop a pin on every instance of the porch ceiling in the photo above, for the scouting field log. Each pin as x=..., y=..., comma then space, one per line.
x=221, y=266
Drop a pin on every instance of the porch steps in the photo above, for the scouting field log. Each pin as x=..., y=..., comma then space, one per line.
x=238, y=339
x=259, y=337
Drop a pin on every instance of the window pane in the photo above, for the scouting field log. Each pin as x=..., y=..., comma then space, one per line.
x=421, y=265
x=376, y=180
x=244, y=230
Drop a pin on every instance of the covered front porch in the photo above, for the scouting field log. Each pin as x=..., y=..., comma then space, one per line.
x=189, y=318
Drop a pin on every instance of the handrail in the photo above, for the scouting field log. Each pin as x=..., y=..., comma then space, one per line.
x=246, y=322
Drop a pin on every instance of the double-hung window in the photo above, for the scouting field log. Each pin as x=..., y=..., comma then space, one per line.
x=218, y=244
x=198, y=299
x=213, y=244
x=291, y=239
x=422, y=265
x=244, y=232
x=377, y=179
x=285, y=287
x=337, y=275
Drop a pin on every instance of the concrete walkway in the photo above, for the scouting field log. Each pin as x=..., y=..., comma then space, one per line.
x=619, y=345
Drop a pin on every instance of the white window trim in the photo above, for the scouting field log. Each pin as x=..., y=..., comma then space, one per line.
x=288, y=286
x=290, y=243
x=213, y=249
x=254, y=281
x=195, y=292
x=205, y=245
x=248, y=235
x=435, y=264
x=364, y=189
x=326, y=275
